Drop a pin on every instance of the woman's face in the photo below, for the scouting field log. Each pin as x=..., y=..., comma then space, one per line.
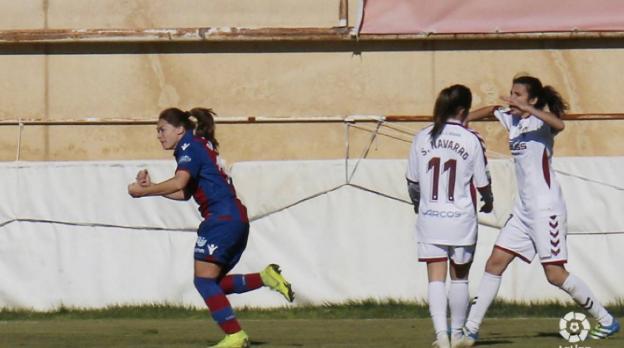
x=168, y=135
x=520, y=93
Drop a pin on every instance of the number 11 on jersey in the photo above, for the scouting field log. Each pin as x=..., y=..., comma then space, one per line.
x=451, y=167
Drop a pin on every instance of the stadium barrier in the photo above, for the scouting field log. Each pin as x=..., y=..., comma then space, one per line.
x=70, y=235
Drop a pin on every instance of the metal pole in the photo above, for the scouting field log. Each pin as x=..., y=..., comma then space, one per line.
x=20, y=126
x=343, y=19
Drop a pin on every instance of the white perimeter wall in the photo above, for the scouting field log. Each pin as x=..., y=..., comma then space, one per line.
x=70, y=235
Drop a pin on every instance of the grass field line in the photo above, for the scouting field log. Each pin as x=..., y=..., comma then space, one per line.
x=369, y=309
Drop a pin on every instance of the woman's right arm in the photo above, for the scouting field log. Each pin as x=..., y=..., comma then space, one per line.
x=178, y=196
x=481, y=113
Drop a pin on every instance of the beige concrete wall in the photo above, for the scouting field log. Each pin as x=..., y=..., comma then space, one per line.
x=273, y=79
x=64, y=14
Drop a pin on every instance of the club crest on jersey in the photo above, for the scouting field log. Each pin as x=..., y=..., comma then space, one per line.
x=184, y=146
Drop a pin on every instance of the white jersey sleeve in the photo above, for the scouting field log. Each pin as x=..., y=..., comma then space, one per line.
x=481, y=172
x=506, y=119
x=412, y=161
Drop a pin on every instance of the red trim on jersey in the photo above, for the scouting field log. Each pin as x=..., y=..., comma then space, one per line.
x=433, y=259
x=546, y=168
x=212, y=154
x=558, y=262
x=473, y=193
x=224, y=218
x=211, y=259
x=481, y=141
x=202, y=200
x=512, y=253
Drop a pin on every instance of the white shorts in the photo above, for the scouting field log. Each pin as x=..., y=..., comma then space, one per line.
x=459, y=255
x=542, y=235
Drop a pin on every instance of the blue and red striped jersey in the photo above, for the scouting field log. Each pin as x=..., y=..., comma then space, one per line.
x=210, y=185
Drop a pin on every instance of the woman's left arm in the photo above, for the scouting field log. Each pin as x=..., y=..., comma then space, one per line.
x=549, y=118
x=175, y=184
x=555, y=123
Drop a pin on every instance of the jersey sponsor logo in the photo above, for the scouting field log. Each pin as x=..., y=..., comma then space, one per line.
x=201, y=241
x=517, y=146
x=184, y=159
x=442, y=214
x=212, y=248
x=184, y=146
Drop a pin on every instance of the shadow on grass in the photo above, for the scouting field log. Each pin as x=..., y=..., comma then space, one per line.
x=548, y=334
x=492, y=342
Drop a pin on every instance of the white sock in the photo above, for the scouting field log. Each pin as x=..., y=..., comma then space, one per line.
x=488, y=288
x=458, y=303
x=437, y=307
x=581, y=293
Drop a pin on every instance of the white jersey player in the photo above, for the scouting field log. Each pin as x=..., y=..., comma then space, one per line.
x=446, y=160
x=447, y=168
x=538, y=223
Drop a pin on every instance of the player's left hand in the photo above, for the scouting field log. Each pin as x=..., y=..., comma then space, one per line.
x=135, y=190
x=143, y=178
x=487, y=207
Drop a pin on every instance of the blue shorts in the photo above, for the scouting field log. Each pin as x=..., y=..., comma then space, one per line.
x=221, y=242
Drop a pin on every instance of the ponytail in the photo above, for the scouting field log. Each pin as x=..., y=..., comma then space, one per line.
x=447, y=105
x=556, y=104
x=204, y=127
x=205, y=124
x=546, y=95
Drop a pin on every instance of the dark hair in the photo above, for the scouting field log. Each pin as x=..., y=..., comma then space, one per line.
x=546, y=95
x=205, y=124
x=449, y=102
x=204, y=127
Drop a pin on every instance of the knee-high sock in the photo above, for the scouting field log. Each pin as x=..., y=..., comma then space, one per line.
x=218, y=304
x=437, y=306
x=488, y=288
x=458, y=299
x=581, y=293
x=240, y=283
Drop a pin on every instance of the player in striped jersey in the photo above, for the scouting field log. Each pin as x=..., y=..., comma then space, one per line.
x=538, y=221
x=222, y=236
x=445, y=161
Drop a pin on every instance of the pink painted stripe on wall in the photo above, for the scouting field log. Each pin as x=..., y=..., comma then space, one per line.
x=491, y=16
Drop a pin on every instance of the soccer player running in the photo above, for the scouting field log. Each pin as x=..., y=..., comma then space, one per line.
x=445, y=159
x=537, y=224
x=222, y=236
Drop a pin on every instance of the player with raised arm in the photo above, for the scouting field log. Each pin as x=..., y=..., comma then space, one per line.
x=538, y=222
x=222, y=236
x=446, y=160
